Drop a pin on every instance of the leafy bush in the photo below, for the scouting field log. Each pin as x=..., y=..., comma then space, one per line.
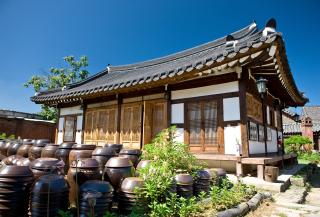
x=229, y=195
x=167, y=157
x=4, y=136
x=313, y=157
x=166, y=149
x=296, y=144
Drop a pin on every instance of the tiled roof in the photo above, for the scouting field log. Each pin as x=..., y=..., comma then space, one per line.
x=312, y=112
x=294, y=128
x=229, y=49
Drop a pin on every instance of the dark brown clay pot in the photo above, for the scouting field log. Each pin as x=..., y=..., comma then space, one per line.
x=143, y=164
x=5, y=146
x=35, y=152
x=12, y=160
x=15, y=184
x=99, y=191
x=49, y=195
x=184, y=185
x=24, y=149
x=13, y=149
x=202, y=182
x=41, y=142
x=80, y=171
x=132, y=154
x=116, y=147
x=63, y=154
x=80, y=151
x=127, y=197
x=45, y=166
x=49, y=150
x=102, y=155
x=117, y=169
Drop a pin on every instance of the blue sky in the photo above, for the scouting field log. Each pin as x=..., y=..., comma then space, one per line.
x=36, y=34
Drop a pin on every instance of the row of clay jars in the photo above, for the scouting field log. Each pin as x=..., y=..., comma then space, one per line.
x=36, y=149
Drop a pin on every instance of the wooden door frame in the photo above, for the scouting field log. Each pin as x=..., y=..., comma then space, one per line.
x=74, y=127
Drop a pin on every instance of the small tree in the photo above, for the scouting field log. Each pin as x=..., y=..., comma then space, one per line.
x=295, y=144
x=58, y=78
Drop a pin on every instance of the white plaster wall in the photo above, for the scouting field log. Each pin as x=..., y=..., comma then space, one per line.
x=60, y=130
x=232, y=140
x=231, y=109
x=256, y=147
x=71, y=110
x=275, y=119
x=180, y=135
x=272, y=145
x=205, y=91
x=177, y=113
x=79, y=129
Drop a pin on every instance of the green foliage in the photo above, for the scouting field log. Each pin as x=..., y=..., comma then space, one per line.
x=229, y=195
x=4, y=136
x=109, y=214
x=175, y=155
x=313, y=157
x=167, y=156
x=58, y=78
x=295, y=144
x=64, y=213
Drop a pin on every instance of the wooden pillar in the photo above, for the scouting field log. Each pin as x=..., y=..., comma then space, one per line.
x=119, y=102
x=83, y=121
x=260, y=171
x=239, y=167
x=243, y=118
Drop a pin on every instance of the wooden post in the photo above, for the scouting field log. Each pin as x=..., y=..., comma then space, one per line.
x=243, y=118
x=239, y=167
x=260, y=171
x=119, y=102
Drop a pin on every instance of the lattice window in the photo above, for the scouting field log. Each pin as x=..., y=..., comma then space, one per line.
x=69, y=128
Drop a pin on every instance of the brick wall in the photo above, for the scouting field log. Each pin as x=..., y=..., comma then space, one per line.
x=27, y=128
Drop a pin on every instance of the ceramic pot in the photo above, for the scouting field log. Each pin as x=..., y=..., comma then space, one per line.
x=102, y=155
x=132, y=154
x=95, y=192
x=202, y=182
x=49, y=150
x=45, y=166
x=80, y=171
x=15, y=182
x=116, y=147
x=23, y=150
x=49, y=195
x=13, y=149
x=127, y=197
x=63, y=154
x=117, y=169
x=80, y=151
x=184, y=185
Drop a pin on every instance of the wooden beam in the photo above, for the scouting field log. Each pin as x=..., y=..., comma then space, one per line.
x=243, y=117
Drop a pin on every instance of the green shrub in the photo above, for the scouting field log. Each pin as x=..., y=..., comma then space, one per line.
x=229, y=195
x=167, y=156
x=4, y=136
x=295, y=144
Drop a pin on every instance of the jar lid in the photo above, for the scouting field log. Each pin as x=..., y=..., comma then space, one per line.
x=104, y=151
x=83, y=147
x=119, y=162
x=130, y=184
x=85, y=163
x=184, y=179
x=130, y=151
x=44, y=163
x=96, y=186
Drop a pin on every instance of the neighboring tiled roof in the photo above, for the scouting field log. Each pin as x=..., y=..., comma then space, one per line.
x=293, y=128
x=227, y=49
x=312, y=112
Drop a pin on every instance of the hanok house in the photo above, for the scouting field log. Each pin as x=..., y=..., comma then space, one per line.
x=307, y=124
x=209, y=92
